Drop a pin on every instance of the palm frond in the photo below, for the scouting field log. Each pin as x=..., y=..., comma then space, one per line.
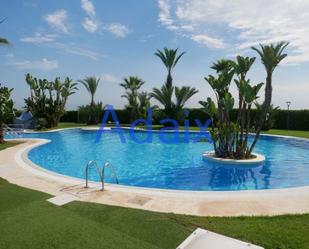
x=178, y=57
x=169, y=57
x=163, y=96
x=91, y=84
x=271, y=55
x=183, y=94
x=4, y=41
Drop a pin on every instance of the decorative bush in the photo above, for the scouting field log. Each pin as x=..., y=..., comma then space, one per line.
x=48, y=98
x=90, y=114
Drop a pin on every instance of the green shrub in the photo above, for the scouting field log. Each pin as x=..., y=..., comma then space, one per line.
x=70, y=116
x=41, y=124
x=48, y=98
x=299, y=119
x=90, y=114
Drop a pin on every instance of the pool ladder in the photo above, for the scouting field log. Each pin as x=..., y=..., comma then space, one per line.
x=101, y=173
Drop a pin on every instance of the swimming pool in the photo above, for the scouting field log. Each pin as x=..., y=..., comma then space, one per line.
x=172, y=166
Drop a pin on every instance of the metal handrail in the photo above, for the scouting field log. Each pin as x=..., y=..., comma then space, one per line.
x=8, y=129
x=108, y=164
x=100, y=173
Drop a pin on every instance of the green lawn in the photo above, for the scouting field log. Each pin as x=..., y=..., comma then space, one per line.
x=304, y=134
x=27, y=220
x=69, y=125
x=8, y=145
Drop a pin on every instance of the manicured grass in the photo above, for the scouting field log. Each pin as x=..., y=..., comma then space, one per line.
x=70, y=125
x=28, y=221
x=6, y=145
x=304, y=134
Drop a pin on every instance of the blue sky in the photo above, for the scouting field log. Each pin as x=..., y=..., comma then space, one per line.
x=115, y=39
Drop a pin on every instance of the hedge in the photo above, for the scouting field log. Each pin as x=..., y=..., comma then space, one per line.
x=75, y=117
x=299, y=119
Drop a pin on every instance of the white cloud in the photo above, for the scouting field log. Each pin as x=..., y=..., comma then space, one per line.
x=78, y=50
x=90, y=25
x=57, y=20
x=208, y=41
x=68, y=48
x=241, y=23
x=165, y=14
x=109, y=78
x=42, y=65
x=39, y=38
x=88, y=7
x=117, y=29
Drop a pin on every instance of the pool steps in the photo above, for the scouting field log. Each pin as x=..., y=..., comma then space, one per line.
x=101, y=173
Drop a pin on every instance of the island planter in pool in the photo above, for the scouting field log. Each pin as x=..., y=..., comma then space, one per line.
x=257, y=159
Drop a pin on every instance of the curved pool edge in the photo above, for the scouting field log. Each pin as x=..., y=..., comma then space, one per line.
x=85, y=128
x=203, y=203
x=22, y=158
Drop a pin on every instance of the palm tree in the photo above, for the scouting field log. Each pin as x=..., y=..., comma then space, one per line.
x=183, y=94
x=91, y=84
x=68, y=88
x=6, y=108
x=164, y=96
x=169, y=58
x=131, y=85
x=3, y=41
x=271, y=55
x=144, y=104
x=241, y=67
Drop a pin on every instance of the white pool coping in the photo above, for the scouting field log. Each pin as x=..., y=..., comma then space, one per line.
x=217, y=203
x=257, y=160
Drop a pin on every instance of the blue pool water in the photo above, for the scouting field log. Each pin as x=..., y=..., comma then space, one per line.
x=172, y=166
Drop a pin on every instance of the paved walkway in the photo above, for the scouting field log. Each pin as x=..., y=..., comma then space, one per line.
x=17, y=169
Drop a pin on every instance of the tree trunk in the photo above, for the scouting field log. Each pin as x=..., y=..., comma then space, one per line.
x=92, y=101
x=248, y=121
x=240, y=106
x=265, y=108
x=242, y=122
x=240, y=153
x=169, y=80
x=213, y=132
x=92, y=118
x=1, y=133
